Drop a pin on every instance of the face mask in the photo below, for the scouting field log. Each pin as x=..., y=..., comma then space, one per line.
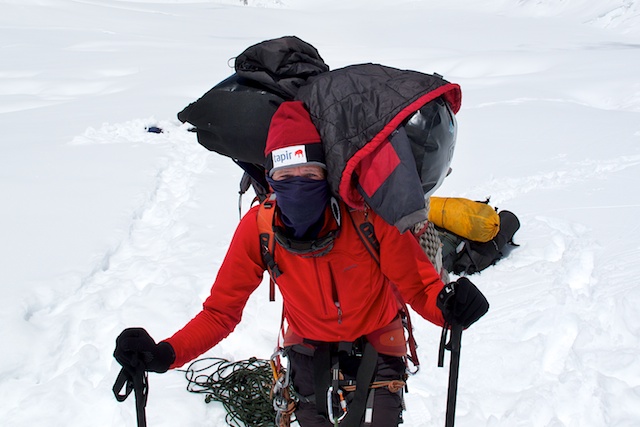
x=302, y=202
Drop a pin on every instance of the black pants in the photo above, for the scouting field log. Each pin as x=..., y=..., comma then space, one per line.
x=387, y=406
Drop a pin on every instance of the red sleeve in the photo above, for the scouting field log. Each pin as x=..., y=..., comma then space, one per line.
x=240, y=274
x=403, y=261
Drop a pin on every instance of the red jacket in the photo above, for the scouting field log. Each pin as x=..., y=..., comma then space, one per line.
x=311, y=285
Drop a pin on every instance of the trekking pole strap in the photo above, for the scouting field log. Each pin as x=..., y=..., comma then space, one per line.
x=137, y=382
x=122, y=381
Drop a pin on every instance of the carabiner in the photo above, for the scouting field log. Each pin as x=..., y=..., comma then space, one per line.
x=343, y=405
x=274, y=361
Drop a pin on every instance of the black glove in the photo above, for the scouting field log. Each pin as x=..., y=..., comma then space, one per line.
x=462, y=303
x=135, y=348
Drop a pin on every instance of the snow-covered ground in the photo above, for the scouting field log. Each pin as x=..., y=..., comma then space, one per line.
x=106, y=226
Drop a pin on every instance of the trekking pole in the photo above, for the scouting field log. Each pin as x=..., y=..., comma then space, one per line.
x=453, y=346
x=139, y=383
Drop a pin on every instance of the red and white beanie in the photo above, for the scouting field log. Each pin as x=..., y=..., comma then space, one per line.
x=292, y=140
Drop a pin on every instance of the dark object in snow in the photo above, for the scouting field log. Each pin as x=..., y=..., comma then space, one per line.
x=154, y=129
x=464, y=256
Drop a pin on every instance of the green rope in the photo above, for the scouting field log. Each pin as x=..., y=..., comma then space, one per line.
x=242, y=387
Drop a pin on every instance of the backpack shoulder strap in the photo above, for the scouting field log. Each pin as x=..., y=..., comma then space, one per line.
x=364, y=227
x=367, y=233
x=266, y=214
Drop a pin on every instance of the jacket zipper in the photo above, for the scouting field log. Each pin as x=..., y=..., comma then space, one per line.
x=323, y=301
x=334, y=295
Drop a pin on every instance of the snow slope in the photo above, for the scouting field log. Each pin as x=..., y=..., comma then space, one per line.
x=105, y=225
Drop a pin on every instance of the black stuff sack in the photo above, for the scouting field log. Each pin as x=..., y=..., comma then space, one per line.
x=464, y=256
x=233, y=118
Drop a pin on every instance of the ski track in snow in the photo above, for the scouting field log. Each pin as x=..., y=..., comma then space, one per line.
x=145, y=272
x=505, y=189
x=128, y=275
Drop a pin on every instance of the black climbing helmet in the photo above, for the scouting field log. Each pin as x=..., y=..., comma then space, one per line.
x=432, y=131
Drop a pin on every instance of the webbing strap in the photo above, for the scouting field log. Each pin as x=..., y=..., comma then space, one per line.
x=321, y=374
x=413, y=345
x=364, y=377
x=266, y=214
x=368, y=412
x=137, y=382
x=323, y=368
x=367, y=233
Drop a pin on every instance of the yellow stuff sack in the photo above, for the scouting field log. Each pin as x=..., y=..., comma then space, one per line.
x=467, y=218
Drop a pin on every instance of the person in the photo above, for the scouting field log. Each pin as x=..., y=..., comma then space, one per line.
x=339, y=302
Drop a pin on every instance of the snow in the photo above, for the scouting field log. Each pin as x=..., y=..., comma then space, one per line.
x=107, y=226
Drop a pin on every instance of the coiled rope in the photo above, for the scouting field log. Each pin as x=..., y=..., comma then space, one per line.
x=243, y=388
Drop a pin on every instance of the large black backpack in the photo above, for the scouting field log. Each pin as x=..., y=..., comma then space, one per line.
x=233, y=117
x=362, y=103
x=233, y=120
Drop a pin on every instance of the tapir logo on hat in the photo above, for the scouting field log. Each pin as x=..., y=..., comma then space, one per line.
x=293, y=139
x=289, y=156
